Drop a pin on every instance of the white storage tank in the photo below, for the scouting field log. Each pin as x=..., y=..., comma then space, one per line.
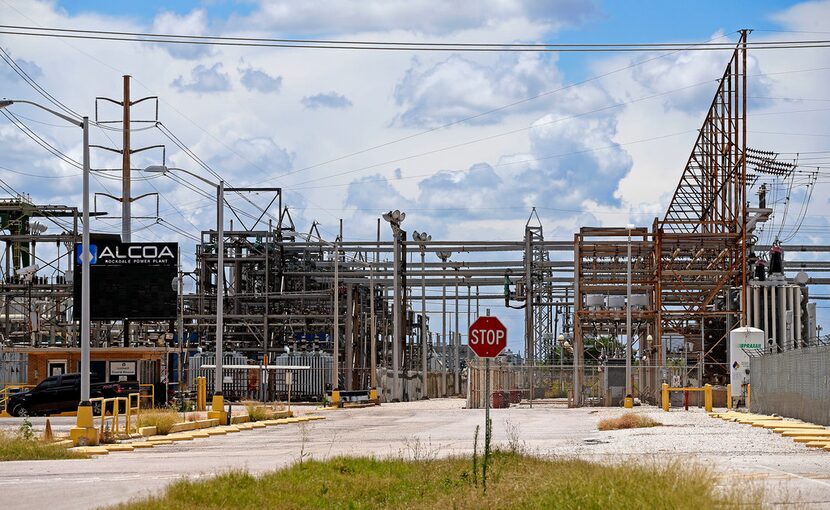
x=742, y=340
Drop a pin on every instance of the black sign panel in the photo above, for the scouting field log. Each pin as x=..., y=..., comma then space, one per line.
x=128, y=281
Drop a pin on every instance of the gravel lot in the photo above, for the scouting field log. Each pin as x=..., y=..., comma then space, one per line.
x=789, y=472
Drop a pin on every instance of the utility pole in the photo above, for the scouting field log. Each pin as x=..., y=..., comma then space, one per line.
x=457, y=336
x=444, y=256
x=180, y=327
x=395, y=218
x=629, y=390
x=126, y=201
x=373, y=390
x=423, y=238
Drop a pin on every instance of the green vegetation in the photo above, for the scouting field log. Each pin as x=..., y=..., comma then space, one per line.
x=162, y=419
x=516, y=481
x=628, y=421
x=258, y=412
x=19, y=447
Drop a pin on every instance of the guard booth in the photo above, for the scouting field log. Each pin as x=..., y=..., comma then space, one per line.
x=145, y=365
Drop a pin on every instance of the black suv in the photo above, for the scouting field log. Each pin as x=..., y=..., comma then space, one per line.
x=62, y=393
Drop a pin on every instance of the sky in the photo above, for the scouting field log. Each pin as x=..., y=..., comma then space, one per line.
x=349, y=135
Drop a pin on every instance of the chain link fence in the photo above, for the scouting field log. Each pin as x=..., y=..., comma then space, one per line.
x=794, y=383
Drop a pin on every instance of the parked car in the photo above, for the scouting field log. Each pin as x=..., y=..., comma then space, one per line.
x=62, y=393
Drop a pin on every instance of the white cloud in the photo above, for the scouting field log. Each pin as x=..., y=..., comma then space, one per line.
x=204, y=80
x=326, y=100
x=458, y=87
x=257, y=80
x=424, y=16
x=193, y=23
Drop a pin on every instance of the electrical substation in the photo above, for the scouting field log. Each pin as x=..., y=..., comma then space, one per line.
x=609, y=313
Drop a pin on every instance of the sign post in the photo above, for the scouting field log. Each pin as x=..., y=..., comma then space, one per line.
x=487, y=338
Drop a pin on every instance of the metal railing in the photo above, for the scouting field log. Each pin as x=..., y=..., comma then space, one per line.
x=112, y=410
x=7, y=392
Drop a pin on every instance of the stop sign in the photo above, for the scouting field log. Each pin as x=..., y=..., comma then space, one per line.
x=487, y=337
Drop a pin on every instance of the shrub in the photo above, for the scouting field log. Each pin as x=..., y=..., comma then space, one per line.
x=628, y=421
x=162, y=419
x=259, y=413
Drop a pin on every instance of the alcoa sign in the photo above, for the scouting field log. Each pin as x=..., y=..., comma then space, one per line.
x=132, y=253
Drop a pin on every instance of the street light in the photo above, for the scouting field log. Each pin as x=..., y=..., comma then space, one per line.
x=218, y=404
x=444, y=256
x=423, y=238
x=395, y=218
x=84, y=431
x=629, y=390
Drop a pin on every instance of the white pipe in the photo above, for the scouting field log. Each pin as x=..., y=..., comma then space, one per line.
x=774, y=314
x=756, y=307
x=797, y=313
x=767, y=336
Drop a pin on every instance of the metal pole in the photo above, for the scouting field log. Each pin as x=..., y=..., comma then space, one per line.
x=126, y=201
x=372, y=326
x=424, y=337
x=444, y=327
x=457, y=346
x=180, y=327
x=85, y=261
x=335, y=369
x=486, y=403
x=396, y=316
x=629, y=390
x=220, y=284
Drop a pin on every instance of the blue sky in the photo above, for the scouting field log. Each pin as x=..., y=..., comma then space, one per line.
x=604, y=151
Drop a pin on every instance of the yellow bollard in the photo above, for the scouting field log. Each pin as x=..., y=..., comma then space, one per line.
x=201, y=394
x=748, y=393
x=373, y=395
x=84, y=432
x=707, y=397
x=665, y=397
x=218, y=410
x=335, y=398
x=729, y=397
x=628, y=403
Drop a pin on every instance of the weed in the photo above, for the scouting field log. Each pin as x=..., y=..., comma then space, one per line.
x=25, y=431
x=162, y=419
x=523, y=481
x=16, y=447
x=303, y=440
x=475, y=457
x=628, y=421
x=514, y=443
x=259, y=412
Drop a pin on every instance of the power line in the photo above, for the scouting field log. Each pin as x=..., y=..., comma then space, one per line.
x=106, y=35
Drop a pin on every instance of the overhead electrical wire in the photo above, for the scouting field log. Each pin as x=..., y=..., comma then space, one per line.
x=108, y=35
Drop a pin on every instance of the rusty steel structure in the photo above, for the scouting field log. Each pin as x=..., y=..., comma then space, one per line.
x=689, y=267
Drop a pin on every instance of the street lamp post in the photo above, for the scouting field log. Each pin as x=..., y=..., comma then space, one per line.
x=395, y=218
x=84, y=431
x=629, y=390
x=444, y=256
x=423, y=238
x=218, y=404
x=457, y=345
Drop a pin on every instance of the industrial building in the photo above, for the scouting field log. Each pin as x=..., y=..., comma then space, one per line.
x=608, y=313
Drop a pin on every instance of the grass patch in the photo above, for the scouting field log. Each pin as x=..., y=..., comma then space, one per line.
x=517, y=481
x=15, y=447
x=628, y=421
x=162, y=419
x=258, y=412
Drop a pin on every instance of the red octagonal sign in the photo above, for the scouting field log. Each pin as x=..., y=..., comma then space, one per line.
x=488, y=337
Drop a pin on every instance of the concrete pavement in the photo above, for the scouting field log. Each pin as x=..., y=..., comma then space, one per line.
x=788, y=472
